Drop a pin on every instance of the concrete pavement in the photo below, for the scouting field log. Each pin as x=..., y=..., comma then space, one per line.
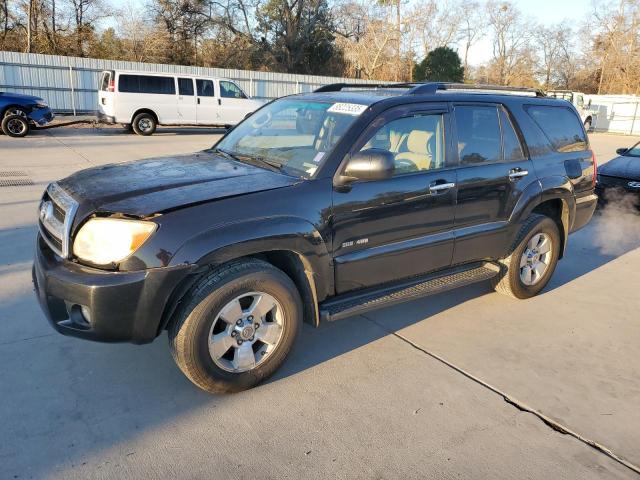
x=361, y=398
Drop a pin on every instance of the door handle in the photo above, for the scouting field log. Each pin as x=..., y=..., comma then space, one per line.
x=198, y=101
x=219, y=102
x=515, y=174
x=439, y=187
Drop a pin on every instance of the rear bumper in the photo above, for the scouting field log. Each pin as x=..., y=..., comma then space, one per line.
x=585, y=206
x=103, y=118
x=122, y=306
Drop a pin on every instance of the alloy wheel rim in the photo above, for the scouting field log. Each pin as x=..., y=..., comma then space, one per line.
x=535, y=259
x=246, y=332
x=16, y=111
x=16, y=126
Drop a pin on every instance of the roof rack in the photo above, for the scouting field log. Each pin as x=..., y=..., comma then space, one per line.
x=430, y=88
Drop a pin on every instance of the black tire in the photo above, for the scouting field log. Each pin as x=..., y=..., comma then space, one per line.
x=15, y=126
x=189, y=331
x=587, y=125
x=509, y=281
x=144, y=124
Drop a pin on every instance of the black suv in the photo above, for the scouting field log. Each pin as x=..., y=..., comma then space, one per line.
x=318, y=206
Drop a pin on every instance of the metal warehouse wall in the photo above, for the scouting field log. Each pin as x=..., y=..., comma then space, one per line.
x=616, y=113
x=71, y=83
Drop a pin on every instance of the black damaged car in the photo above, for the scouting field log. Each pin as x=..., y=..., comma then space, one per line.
x=619, y=179
x=317, y=207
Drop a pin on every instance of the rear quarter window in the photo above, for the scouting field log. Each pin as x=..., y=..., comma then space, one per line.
x=560, y=125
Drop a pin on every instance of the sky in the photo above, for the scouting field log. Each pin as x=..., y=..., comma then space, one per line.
x=546, y=12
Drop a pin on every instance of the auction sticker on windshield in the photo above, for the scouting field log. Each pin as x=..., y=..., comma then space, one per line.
x=347, y=108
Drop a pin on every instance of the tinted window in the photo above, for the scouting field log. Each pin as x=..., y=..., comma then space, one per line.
x=146, y=84
x=510, y=141
x=205, y=88
x=478, y=134
x=561, y=126
x=185, y=86
x=417, y=142
x=230, y=90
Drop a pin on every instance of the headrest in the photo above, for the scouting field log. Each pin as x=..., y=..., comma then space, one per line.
x=418, y=140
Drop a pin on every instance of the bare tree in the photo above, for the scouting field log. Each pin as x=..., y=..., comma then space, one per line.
x=472, y=30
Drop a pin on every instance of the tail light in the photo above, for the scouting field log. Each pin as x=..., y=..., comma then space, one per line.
x=595, y=169
x=112, y=86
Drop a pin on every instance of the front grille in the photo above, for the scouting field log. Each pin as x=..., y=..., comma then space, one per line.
x=56, y=213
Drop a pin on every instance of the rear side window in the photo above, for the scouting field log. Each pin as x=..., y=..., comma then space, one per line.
x=205, y=88
x=561, y=127
x=185, y=86
x=478, y=134
x=147, y=84
x=510, y=140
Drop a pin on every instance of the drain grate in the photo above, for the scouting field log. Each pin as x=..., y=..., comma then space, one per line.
x=14, y=178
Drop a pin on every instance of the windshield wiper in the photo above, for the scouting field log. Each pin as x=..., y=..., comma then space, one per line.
x=253, y=159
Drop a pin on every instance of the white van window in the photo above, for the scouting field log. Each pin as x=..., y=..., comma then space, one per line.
x=147, y=84
x=230, y=90
x=205, y=88
x=104, y=82
x=185, y=86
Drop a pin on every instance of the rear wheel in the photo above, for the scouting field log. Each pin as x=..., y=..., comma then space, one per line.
x=587, y=124
x=15, y=126
x=533, y=259
x=236, y=327
x=144, y=124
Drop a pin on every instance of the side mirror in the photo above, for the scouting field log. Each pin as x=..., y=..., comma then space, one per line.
x=371, y=164
x=622, y=151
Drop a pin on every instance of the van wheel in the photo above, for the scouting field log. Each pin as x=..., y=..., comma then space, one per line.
x=236, y=327
x=587, y=124
x=144, y=124
x=15, y=126
x=533, y=259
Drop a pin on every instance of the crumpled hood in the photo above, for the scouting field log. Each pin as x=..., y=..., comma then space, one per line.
x=146, y=187
x=623, y=167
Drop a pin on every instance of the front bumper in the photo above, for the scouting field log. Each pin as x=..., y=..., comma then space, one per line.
x=41, y=116
x=122, y=306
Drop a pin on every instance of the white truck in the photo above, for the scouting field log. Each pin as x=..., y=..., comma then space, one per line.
x=143, y=100
x=577, y=99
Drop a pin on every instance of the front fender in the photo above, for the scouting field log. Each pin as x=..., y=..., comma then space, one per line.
x=230, y=241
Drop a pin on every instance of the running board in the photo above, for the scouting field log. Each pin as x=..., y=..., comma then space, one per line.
x=351, y=304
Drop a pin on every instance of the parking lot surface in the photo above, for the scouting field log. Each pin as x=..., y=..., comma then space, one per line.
x=441, y=387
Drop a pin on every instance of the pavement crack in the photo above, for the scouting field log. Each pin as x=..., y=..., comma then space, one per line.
x=551, y=423
x=70, y=148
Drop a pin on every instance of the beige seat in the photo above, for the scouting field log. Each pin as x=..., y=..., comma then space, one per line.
x=418, y=150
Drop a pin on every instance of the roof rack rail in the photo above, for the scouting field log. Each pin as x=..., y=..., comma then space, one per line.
x=430, y=88
x=336, y=87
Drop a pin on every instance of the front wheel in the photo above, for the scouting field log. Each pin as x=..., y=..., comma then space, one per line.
x=533, y=259
x=15, y=126
x=236, y=327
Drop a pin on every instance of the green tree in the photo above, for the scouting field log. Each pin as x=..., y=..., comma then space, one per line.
x=441, y=65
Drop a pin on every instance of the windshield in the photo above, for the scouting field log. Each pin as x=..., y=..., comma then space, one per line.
x=291, y=135
x=633, y=151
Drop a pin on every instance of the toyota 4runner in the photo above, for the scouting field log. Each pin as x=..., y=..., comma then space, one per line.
x=317, y=207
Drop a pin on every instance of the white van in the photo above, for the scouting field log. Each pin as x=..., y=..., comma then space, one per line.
x=145, y=100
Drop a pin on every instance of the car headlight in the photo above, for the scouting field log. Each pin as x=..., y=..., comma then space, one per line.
x=103, y=241
x=42, y=105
